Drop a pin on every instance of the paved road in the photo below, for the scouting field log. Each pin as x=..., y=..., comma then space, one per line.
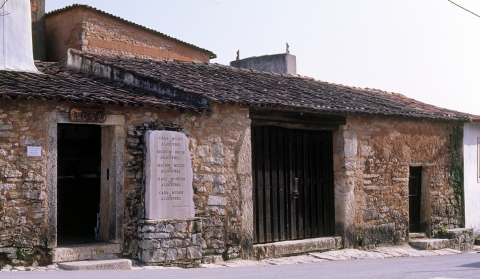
x=449, y=266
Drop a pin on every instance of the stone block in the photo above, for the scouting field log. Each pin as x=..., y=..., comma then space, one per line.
x=217, y=200
x=149, y=244
x=203, y=150
x=117, y=264
x=169, y=176
x=155, y=235
x=194, y=252
x=172, y=254
x=154, y=256
x=203, y=178
x=181, y=253
x=181, y=227
x=220, y=179
x=217, y=151
x=295, y=247
x=9, y=172
x=430, y=244
x=198, y=226
x=219, y=189
x=169, y=228
x=176, y=234
x=216, y=209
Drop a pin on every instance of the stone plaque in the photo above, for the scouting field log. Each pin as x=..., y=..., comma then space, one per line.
x=87, y=115
x=169, y=191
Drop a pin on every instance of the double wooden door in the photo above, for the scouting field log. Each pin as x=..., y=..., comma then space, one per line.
x=293, y=184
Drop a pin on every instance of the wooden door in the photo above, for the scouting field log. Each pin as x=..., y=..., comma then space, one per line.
x=293, y=184
x=414, y=198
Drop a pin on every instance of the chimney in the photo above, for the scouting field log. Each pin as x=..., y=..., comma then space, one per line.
x=38, y=29
x=16, y=36
x=283, y=63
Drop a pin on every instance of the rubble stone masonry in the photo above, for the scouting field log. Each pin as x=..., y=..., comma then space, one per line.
x=372, y=173
x=22, y=182
x=372, y=156
x=217, y=141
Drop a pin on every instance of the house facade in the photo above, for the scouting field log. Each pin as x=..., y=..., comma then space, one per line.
x=471, y=143
x=274, y=158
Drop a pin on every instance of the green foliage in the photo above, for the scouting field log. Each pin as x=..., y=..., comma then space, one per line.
x=442, y=230
x=456, y=168
x=20, y=254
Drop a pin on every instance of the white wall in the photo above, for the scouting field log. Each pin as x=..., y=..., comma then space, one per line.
x=16, y=51
x=471, y=134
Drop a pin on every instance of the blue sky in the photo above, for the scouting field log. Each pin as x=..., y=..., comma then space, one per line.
x=428, y=50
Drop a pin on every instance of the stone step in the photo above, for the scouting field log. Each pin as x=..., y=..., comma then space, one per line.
x=417, y=235
x=116, y=264
x=430, y=244
x=91, y=251
x=296, y=247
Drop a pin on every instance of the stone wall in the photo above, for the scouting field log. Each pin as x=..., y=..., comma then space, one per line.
x=461, y=239
x=220, y=153
x=22, y=182
x=372, y=160
x=219, y=145
x=372, y=156
x=171, y=242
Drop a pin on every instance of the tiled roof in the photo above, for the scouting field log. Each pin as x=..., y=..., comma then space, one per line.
x=57, y=83
x=212, y=55
x=227, y=84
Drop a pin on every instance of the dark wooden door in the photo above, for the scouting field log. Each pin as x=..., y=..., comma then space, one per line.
x=414, y=197
x=293, y=184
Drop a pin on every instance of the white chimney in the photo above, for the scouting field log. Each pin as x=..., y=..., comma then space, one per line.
x=16, y=52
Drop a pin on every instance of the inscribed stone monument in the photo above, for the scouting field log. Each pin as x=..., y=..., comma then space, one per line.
x=169, y=191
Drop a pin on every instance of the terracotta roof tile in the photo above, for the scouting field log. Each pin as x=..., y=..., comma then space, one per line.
x=225, y=84
x=57, y=83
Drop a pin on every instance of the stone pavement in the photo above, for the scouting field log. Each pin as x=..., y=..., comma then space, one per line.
x=315, y=257
x=342, y=255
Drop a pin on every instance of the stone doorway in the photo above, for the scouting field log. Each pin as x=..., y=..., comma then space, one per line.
x=78, y=182
x=104, y=145
x=415, y=198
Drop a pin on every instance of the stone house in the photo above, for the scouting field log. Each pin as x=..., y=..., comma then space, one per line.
x=276, y=159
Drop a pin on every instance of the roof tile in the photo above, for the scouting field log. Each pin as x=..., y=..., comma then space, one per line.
x=225, y=84
x=57, y=83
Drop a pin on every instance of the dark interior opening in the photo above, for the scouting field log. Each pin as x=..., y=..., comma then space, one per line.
x=415, y=198
x=78, y=185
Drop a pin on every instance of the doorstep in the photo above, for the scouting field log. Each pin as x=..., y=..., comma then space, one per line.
x=296, y=247
x=91, y=251
x=430, y=244
x=116, y=264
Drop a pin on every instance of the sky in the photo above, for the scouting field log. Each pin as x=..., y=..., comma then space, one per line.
x=428, y=50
